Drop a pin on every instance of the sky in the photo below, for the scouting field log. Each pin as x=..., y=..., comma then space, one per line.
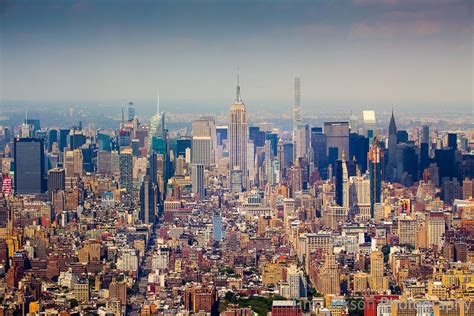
x=347, y=52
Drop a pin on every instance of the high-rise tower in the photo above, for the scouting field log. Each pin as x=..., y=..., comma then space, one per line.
x=375, y=171
x=392, y=150
x=238, y=136
x=30, y=171
x=296, y=116
x=296, y=102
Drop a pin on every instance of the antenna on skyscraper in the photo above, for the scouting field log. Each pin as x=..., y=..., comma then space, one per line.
x=238, y=99
x=158, y=103
x=122, y=114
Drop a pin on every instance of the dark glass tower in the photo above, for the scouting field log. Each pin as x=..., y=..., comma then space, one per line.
x=375, y=172
x=358, y=149
x=147, y=201
x=453, y=141
x=338, y=177
x=30, y=171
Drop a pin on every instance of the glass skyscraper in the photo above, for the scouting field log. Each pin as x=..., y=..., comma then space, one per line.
x=30, y=169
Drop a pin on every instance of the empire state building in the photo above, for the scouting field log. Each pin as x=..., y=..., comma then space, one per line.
x=238, y=130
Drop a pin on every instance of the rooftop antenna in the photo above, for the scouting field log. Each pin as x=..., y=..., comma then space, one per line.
x=122, y=114
x=26, y=114
x=238, y=99
x=158, y=103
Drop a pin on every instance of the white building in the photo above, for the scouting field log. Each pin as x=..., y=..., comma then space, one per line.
x=128, y=260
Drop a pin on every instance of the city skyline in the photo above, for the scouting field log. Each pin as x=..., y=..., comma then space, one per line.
x=352, y=53
x=223, y=158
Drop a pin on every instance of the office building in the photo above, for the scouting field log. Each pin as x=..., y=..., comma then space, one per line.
x=301, y=141
x=297, y=283
x=425, y=136
x=354, y=124
x=148, y=201
x=377, y=280
x=391, y=173
x=217, y=227
x=453, y=141
x=126, y=169
x=131, y=111
x=296, y=102
x=376, y=163
x=63, y=139
x=204, y=129
x=221, y=132
x=436, y=227
x=56, y=179
x=358, y=149
x=329, y=276
x=238, y=136
x=370, y=124
x=337, y=136
x=202, y=152
x=182, y=144
x=341, y=182
x=30, y=173
x=197, y=175
x=407, y=228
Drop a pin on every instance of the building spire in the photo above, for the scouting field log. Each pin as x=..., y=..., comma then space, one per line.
x=237, y=97
x=122, y=115
x=392, y=128
x=158, y=103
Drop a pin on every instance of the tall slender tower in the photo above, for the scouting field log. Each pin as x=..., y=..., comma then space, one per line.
x=296, y=102
x=238, y=130
x=345, y=183
x=392, y=150
x=375, y=171
x=296, y=117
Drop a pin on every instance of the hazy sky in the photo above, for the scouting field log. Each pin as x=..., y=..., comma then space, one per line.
x=401, y=52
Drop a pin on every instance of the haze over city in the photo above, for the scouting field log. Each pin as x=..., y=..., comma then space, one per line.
x=349, y=53
x=236, y=158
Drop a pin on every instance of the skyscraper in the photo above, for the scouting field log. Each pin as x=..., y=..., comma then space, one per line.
x=268, y=163
x=342, y=182
x=377, y=280
x=370, y=124
x=217, y=227
x=301, y=141
x=157, y=122
x=148, y=195
x=453, y=141
x=29, y=166
x=197, y=175
x=296, y=102
x=204, y=129
x=329, y=276
x=358, y=149
x=281, y=153
x=425, y=137
x=126, y=168
x=131, y=111
x=375, y=171
x=202, y=152
x=238, y=136
x=337, y=135
x=181, y=145
x=56, y=179
x=392, y=150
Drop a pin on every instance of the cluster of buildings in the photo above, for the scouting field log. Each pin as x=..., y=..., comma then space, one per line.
x=236, y=217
